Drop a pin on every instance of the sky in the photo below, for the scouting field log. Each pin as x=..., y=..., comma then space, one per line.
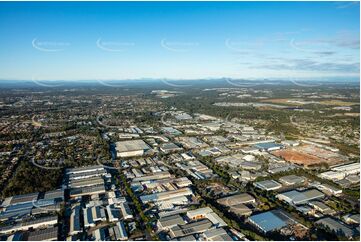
x=179, y=40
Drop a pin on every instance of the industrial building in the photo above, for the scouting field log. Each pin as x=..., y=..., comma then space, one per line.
x=335, y=226
x=269, y=146
x=48, y=234
x=131, y=148
x=92, y=215
x=328, y=189
x=20, y=199
x=236, y=199
x=153, y=176
x=161, y=196
x=295, y=197
x=271, y=220
x=292, y=180
x=118, y=232
x=92, y=181
x=217, y=234
x=268, y=185
x=57, y=195
x=240, y=210
x=190, y=228
x=75, y=227
x=208, y=213
x=165, y=223
x=86, y=169
x=42, y=222
x=93, y=190
x=169, y=147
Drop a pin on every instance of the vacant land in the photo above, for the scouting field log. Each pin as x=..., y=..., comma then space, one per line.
x=309, y=155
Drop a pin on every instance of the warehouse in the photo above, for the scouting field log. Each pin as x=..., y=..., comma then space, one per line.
x=349, y=169
x=208, y=213
x=161, y=196
x=170, y=131
x=20, y=199
x=236, y=199
x=335, y=226
x=268, y=146
x=75, y=227
x=240, y=210
x=85, y=175
x=321, y=207
x=57, y=195
x=295, y=197
x=190, y=228
x=86, y=182
x=248, y=165
x=292, y=180
x=118, y=232
x=113, y=213
x=131, y=148
x=154, y=176
x=216, y=234
x=168, y=222
x=125, y=210
x=93, y=190
x=93, y=215
x=48, y=234
x=268, y=185
x=352, y=218
x=80, y=170
x=332, y=175
x=169, y=147
x=330, y=190
x=271, y=220
x=35, y=223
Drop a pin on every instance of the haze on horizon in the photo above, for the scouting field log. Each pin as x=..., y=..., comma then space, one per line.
x=179, y=40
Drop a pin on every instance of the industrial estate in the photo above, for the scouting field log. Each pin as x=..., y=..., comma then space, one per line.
x=113, y=164
x=180, y=120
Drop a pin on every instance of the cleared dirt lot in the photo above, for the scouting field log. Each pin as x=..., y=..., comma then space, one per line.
x=298, y=157
x=308, y=155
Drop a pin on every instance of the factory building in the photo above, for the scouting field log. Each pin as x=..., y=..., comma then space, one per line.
x=295, y=197
x=268, y=185
x=131, y=148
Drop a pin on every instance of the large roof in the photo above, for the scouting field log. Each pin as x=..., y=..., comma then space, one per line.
x=236, y=199
x=172, y=220
x=271, y=220
x=131, y=145
x=292, y=179
x=335, y=226
x=268, y=184
x=304, y=196
x=268, y=145
x=44, y=234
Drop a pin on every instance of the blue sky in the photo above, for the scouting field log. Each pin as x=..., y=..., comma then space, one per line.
x=179, y=40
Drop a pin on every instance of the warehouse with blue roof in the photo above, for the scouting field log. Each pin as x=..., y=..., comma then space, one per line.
x=268, y=146
x=271, y=220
